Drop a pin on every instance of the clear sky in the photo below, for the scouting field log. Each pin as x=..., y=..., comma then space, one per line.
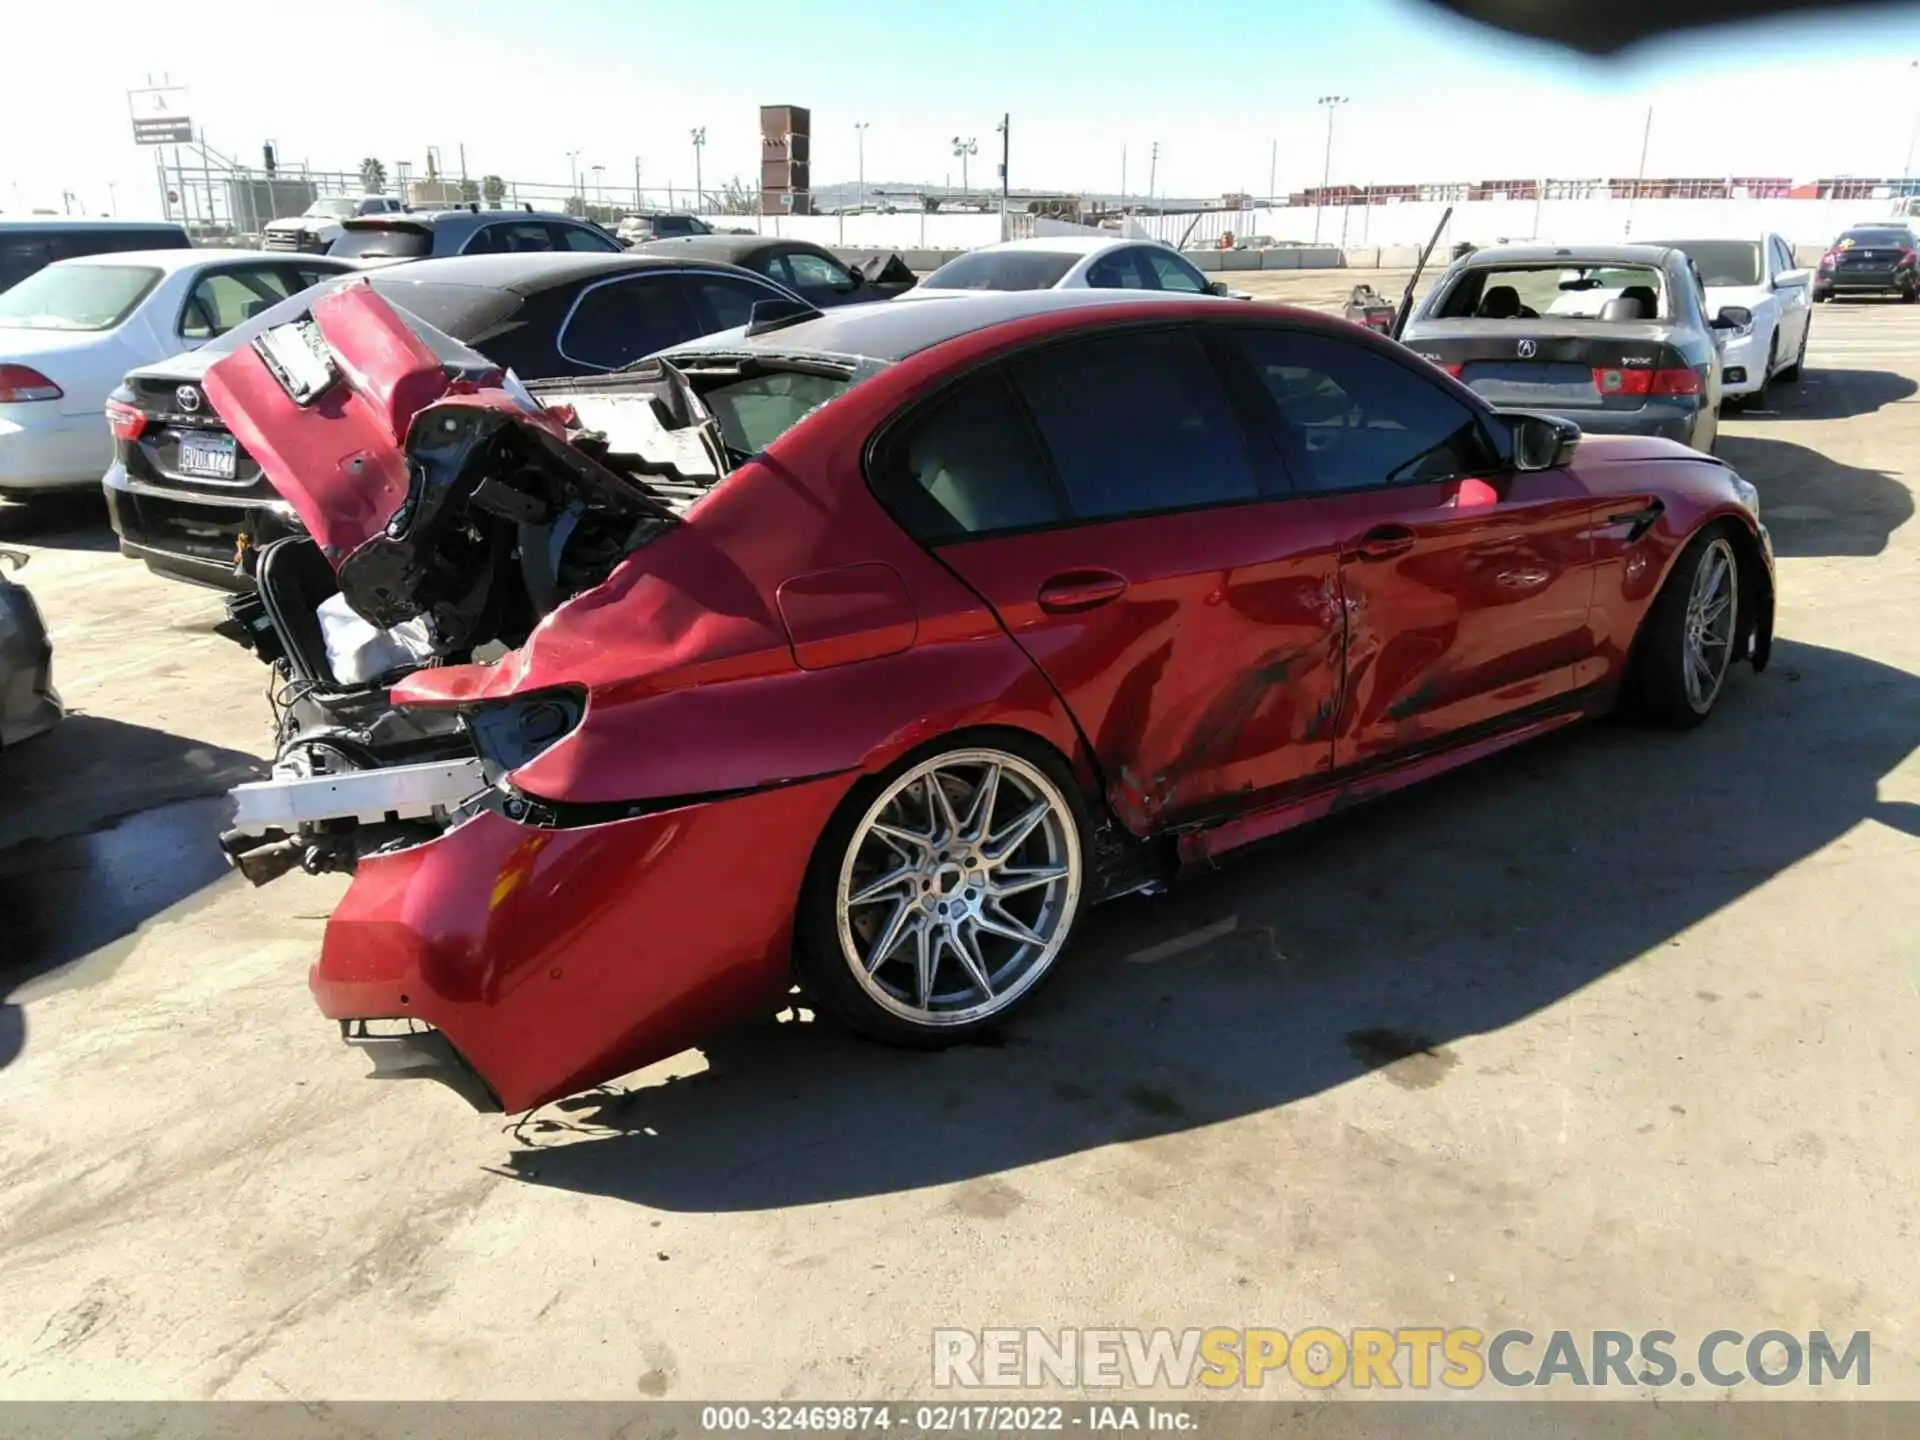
x=1215, y=84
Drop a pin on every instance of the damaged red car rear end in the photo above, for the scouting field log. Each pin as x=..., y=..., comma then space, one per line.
x=865, y=650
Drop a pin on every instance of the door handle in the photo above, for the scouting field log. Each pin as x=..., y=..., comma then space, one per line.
x=1383, y=542
x=1078, y=590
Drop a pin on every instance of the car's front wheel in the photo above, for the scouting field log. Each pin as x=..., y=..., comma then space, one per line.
x=1688, y=639
x=940, y=899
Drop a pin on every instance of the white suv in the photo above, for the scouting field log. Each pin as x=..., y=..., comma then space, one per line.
x=312, y=231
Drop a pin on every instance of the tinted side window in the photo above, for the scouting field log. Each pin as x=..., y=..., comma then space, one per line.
x=815, y=272
x=1120, y=271
x=1783, y=255
x=581, y=237
x=1174, y=273
x=21, y=256
x=1137, y=423
x=513, y=237
x=615, y=324
x=1352, y=418
x=967, y=465
x=220, y=301
x=724, y=302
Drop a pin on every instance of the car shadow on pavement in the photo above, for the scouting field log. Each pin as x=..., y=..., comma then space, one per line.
x=74, y=520
x=1375, y=941
x=1815, y=506
x=1833, y=395
x=103, y=826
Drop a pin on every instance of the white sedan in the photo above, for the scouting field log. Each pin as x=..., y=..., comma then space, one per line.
x=1074, y=262
x=70, y=331
x=1759, y=275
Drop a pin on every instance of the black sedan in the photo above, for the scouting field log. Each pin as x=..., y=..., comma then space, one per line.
x=812, y=272
x=189, y=501
x=1871, y=260
x=1613, y=337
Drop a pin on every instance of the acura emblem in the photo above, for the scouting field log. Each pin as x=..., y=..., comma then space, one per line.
x=1527, y=348
x=187, y=398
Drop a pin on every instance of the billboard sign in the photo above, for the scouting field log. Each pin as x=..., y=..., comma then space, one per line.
x=160, y=116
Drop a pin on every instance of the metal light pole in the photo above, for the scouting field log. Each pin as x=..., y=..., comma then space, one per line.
x=1123, y=178
x=699, y=143
x=1006, y=147
x=1906, y=174
x=573, y=172
x=638, y=204
x=1646, y=138
x=1273, y=170
x=1332, y=103
x=598, y=171
x=860, y=137
x=1153, y=171
x=962, y=149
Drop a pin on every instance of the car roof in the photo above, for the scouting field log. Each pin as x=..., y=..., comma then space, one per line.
x=460, y=211
x=1065, y=244
x=69, y=222
x=1577, y=254
x=543, y=269
x=178, y=259
x=889, y=331
x=731, y=248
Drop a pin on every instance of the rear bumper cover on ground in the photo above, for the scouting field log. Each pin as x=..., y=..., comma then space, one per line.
x=554, y=959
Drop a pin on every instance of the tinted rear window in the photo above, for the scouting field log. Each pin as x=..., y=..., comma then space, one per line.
x=1001, y=270
x=383, y=242
x=1885, y=239
x=76, y=297
x=1560, y=289
x=967, y=465
x=1723, y=262
x=754, y=412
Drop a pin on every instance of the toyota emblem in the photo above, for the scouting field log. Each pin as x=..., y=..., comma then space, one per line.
x=1527, y=348
x=187, y=398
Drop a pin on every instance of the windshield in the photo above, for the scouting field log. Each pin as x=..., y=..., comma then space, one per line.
x=1722, y=262
x=1001, y=270
x=76, y=297
x=382, y=242
x=1563, y=289
x=335, y=209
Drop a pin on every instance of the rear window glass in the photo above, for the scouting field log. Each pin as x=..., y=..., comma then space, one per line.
x=967, y=465
x=1562, y=289
x=468, y=313
x=76, y=297
x=1001, y=270
x=1723, y=262
x=21, y=256
x=754, y=412
x=1887, y=238
x=383, y=242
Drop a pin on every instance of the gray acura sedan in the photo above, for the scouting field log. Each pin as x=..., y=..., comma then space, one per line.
x=1614, y=337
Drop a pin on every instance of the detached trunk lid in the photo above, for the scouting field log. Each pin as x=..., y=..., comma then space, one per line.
x=1553, y=364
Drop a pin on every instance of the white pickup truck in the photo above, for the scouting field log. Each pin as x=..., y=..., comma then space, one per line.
x=319, y=225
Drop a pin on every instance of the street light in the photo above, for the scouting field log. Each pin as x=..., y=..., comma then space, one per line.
x=573, y=172
x=598, y=171
x=962, y=149
x=699, y=143
x=1913, y=71
x=860, y=136
x=1332, y=103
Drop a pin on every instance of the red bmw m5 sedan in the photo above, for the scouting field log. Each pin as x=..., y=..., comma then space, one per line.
x=864, y=650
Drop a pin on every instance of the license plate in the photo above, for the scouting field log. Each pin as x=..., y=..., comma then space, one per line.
x=208, y=456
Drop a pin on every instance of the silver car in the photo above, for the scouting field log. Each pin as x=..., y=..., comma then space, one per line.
x=28, y=702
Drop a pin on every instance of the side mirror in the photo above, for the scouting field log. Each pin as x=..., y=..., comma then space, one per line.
x=1733, y=317
x=1542, y=442
x=1216, y=287
x=1787, y=279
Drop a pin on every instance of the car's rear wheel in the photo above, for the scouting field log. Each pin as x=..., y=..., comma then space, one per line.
x=1688, y=639
x=936, y=907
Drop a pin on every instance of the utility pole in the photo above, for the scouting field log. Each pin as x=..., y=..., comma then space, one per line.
x=1006, y=143
x=1123, y=176
x=1273, y=170
x=598, y=171
x=860, y=137
x=962, y=149
x=699, y=143
x=1646, y=138
x=573, y=172
x=1332, y=103
x=1906, y=174
x=638, y=204
x=1153, y=171
x=463, y=169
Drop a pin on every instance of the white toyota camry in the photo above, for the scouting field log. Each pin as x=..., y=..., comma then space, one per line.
x=1073, y=262
x=70, y=331
x=1758, y=275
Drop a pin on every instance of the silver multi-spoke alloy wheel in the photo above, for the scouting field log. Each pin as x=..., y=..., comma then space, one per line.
x=958, y=887
x=1711, y=624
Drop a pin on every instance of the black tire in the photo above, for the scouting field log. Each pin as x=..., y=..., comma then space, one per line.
x=1658, y=690
x=825, y=970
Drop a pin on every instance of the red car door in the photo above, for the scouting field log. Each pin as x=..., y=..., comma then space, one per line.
x=1106, y=498
x=1467, y=587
